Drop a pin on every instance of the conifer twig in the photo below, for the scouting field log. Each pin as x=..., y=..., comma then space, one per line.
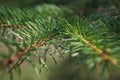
x=15, y=58
x=102, y=53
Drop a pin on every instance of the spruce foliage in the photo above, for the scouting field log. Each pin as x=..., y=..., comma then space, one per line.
x=26, y=32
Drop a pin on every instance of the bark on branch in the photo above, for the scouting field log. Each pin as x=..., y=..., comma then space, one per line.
x=15, y=58
x=102, y=53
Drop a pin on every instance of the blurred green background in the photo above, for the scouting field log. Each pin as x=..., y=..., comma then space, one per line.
x=80, y=7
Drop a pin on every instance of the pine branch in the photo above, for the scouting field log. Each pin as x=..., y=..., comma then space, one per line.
x=15, y=58
x=94, y=42
x=101, y=52
x=26, y=29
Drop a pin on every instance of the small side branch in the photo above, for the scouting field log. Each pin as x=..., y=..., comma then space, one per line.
x=102, y=53
x=3, y=25
x=15, y=58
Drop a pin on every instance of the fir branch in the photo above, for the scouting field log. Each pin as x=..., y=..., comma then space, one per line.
x=94, y=39
x=34, y=27
x=101, y=52
x=15, y=58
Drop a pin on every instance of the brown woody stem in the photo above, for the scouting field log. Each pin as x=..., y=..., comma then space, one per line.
x=3, y=25
x=15, y=58
x=102, y=53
